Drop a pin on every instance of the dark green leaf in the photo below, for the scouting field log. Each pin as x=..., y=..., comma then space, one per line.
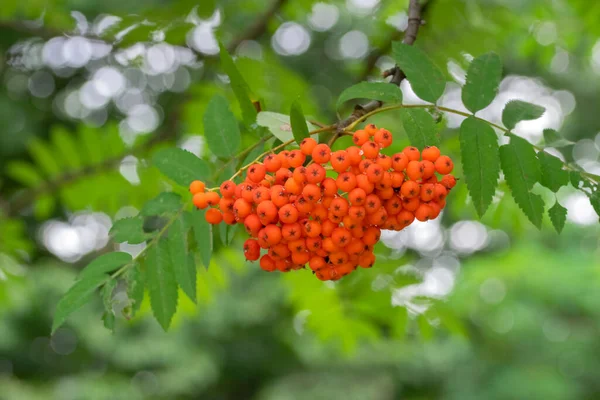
x=481, y=161
x=522, y=170
x=221, y=128
x=227, y=233
x=105, y=263
x=180, y=165
x=164, y=203
x=554, y=139
x=240, y=87
x=426, y=80
x=41, y=153
x=298, y=122
x=162, y=286
x=558, y=216
x=575, y=178
x=107, y=299
x=184, y=272
x=373, y=91
x=66, y=147
x=483, y=79
x=130, y=230
x=553, y=174
x=420, y=127
x=595, y=200
x=109, y=321
x=76, y=297
x=516, y=111
x=135, y=287
x=203, y=235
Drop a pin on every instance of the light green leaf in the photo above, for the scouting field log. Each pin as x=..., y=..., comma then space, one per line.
x=135, y=287
x=164, y=203
x=105, y=263
x=107, y=299
x=383, y=91
x=481, y=161
x=483, y=78
x=109, y=321
x=221, y=129
x=44, y=206
x=522, y=170
x=24, y=173
x=42, y=155
x=76, y=297
x=91, y=144
x=66, y=147
x=426, y=80
x=185, y=273
x=130, y=230
x=516, y=111
x=558, y=216
x=553, y=174
x=203, y=235
x=279, y=125
x=162, y=286
x=180, y=165
x=420, y=127
x=298, y=122
x=554, y=139
x=240, y=87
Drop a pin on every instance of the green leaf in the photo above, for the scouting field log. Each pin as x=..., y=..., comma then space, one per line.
x=279, y=125
x=203, y=235
x=227, y=233
x=135, y=287
x=483, y=78
x=76, y=297
x=44, y=206
x=66, y=147
x=185, y=273
x=24, y=173
x=481, y=161
x=164, y=203
x=522, y=170
x=420, y=127
x=107, y=299
x=180, y=165
x=575, y=178
x=298, y=122
x=240, y=87
x=221, y=128
x=516, y=111
x=426, y=80
x=105, y=263
x=554, y=139
x=109, y=321
x=595, y=200
x=373, y=91
x=553, y=174
x=42, y=155
x=162, y=286
x=558, y=216
x=130, y=230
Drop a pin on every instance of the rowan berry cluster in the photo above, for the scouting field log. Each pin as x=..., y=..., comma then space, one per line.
x=328, y=211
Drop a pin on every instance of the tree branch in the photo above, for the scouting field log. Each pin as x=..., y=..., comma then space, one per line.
x=414, y=22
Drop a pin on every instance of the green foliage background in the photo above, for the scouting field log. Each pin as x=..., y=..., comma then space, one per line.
x=267, y=336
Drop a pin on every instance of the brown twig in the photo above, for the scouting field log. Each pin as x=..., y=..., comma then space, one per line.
x=414, y=21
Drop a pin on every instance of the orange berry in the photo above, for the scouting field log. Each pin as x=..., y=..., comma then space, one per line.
x=321, y=153
x=252, y=225
x=357, y=213
x=397, y=179
x=327, y=227
x=405, y=217
x=360, y=137
x=371, y=129
x=399, y=162
x=427, y=191
x=340, y=161
x=227, y=189
x=357, y=196
x=226, y=205
x=366, y=260
x=212, y=198
x=197, y=187
x=282, y=175
x=213, y=216
x=316, y=263
x=346, y=181
x=312, y=193
x=423, y=213
x=242, y=208
x=296, y=158
x=272, y=234
x=329, y=187
x=444, y=165
x=383, y=137
x=311, y=228
x=251, y=250
x=300, y=258
x=292, y=186
x=307, y=146
x=288, y=214
x=435, y=209
x=362, y=181
x=371, y=236
x=200, y=200
x=414, y=170
x=341, y=236
x=315, y=173
x=412, y=153
x=267, y=263
x=370, y=149
x=256, y=172
x=372, y=203
x=393, y=205
x=338, y=257
x=430, y=153
x=448, y=181
x=410, y=189
x=229, y=218
x=339, y=207
x=272, y=162
x=440, y=192
x=374, y=173
x=384, y=161
x=411, y=204
x=428, y=169
x=299, y=174
x=354, y=155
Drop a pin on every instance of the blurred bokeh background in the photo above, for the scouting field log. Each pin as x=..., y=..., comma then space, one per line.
x=457, y=308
